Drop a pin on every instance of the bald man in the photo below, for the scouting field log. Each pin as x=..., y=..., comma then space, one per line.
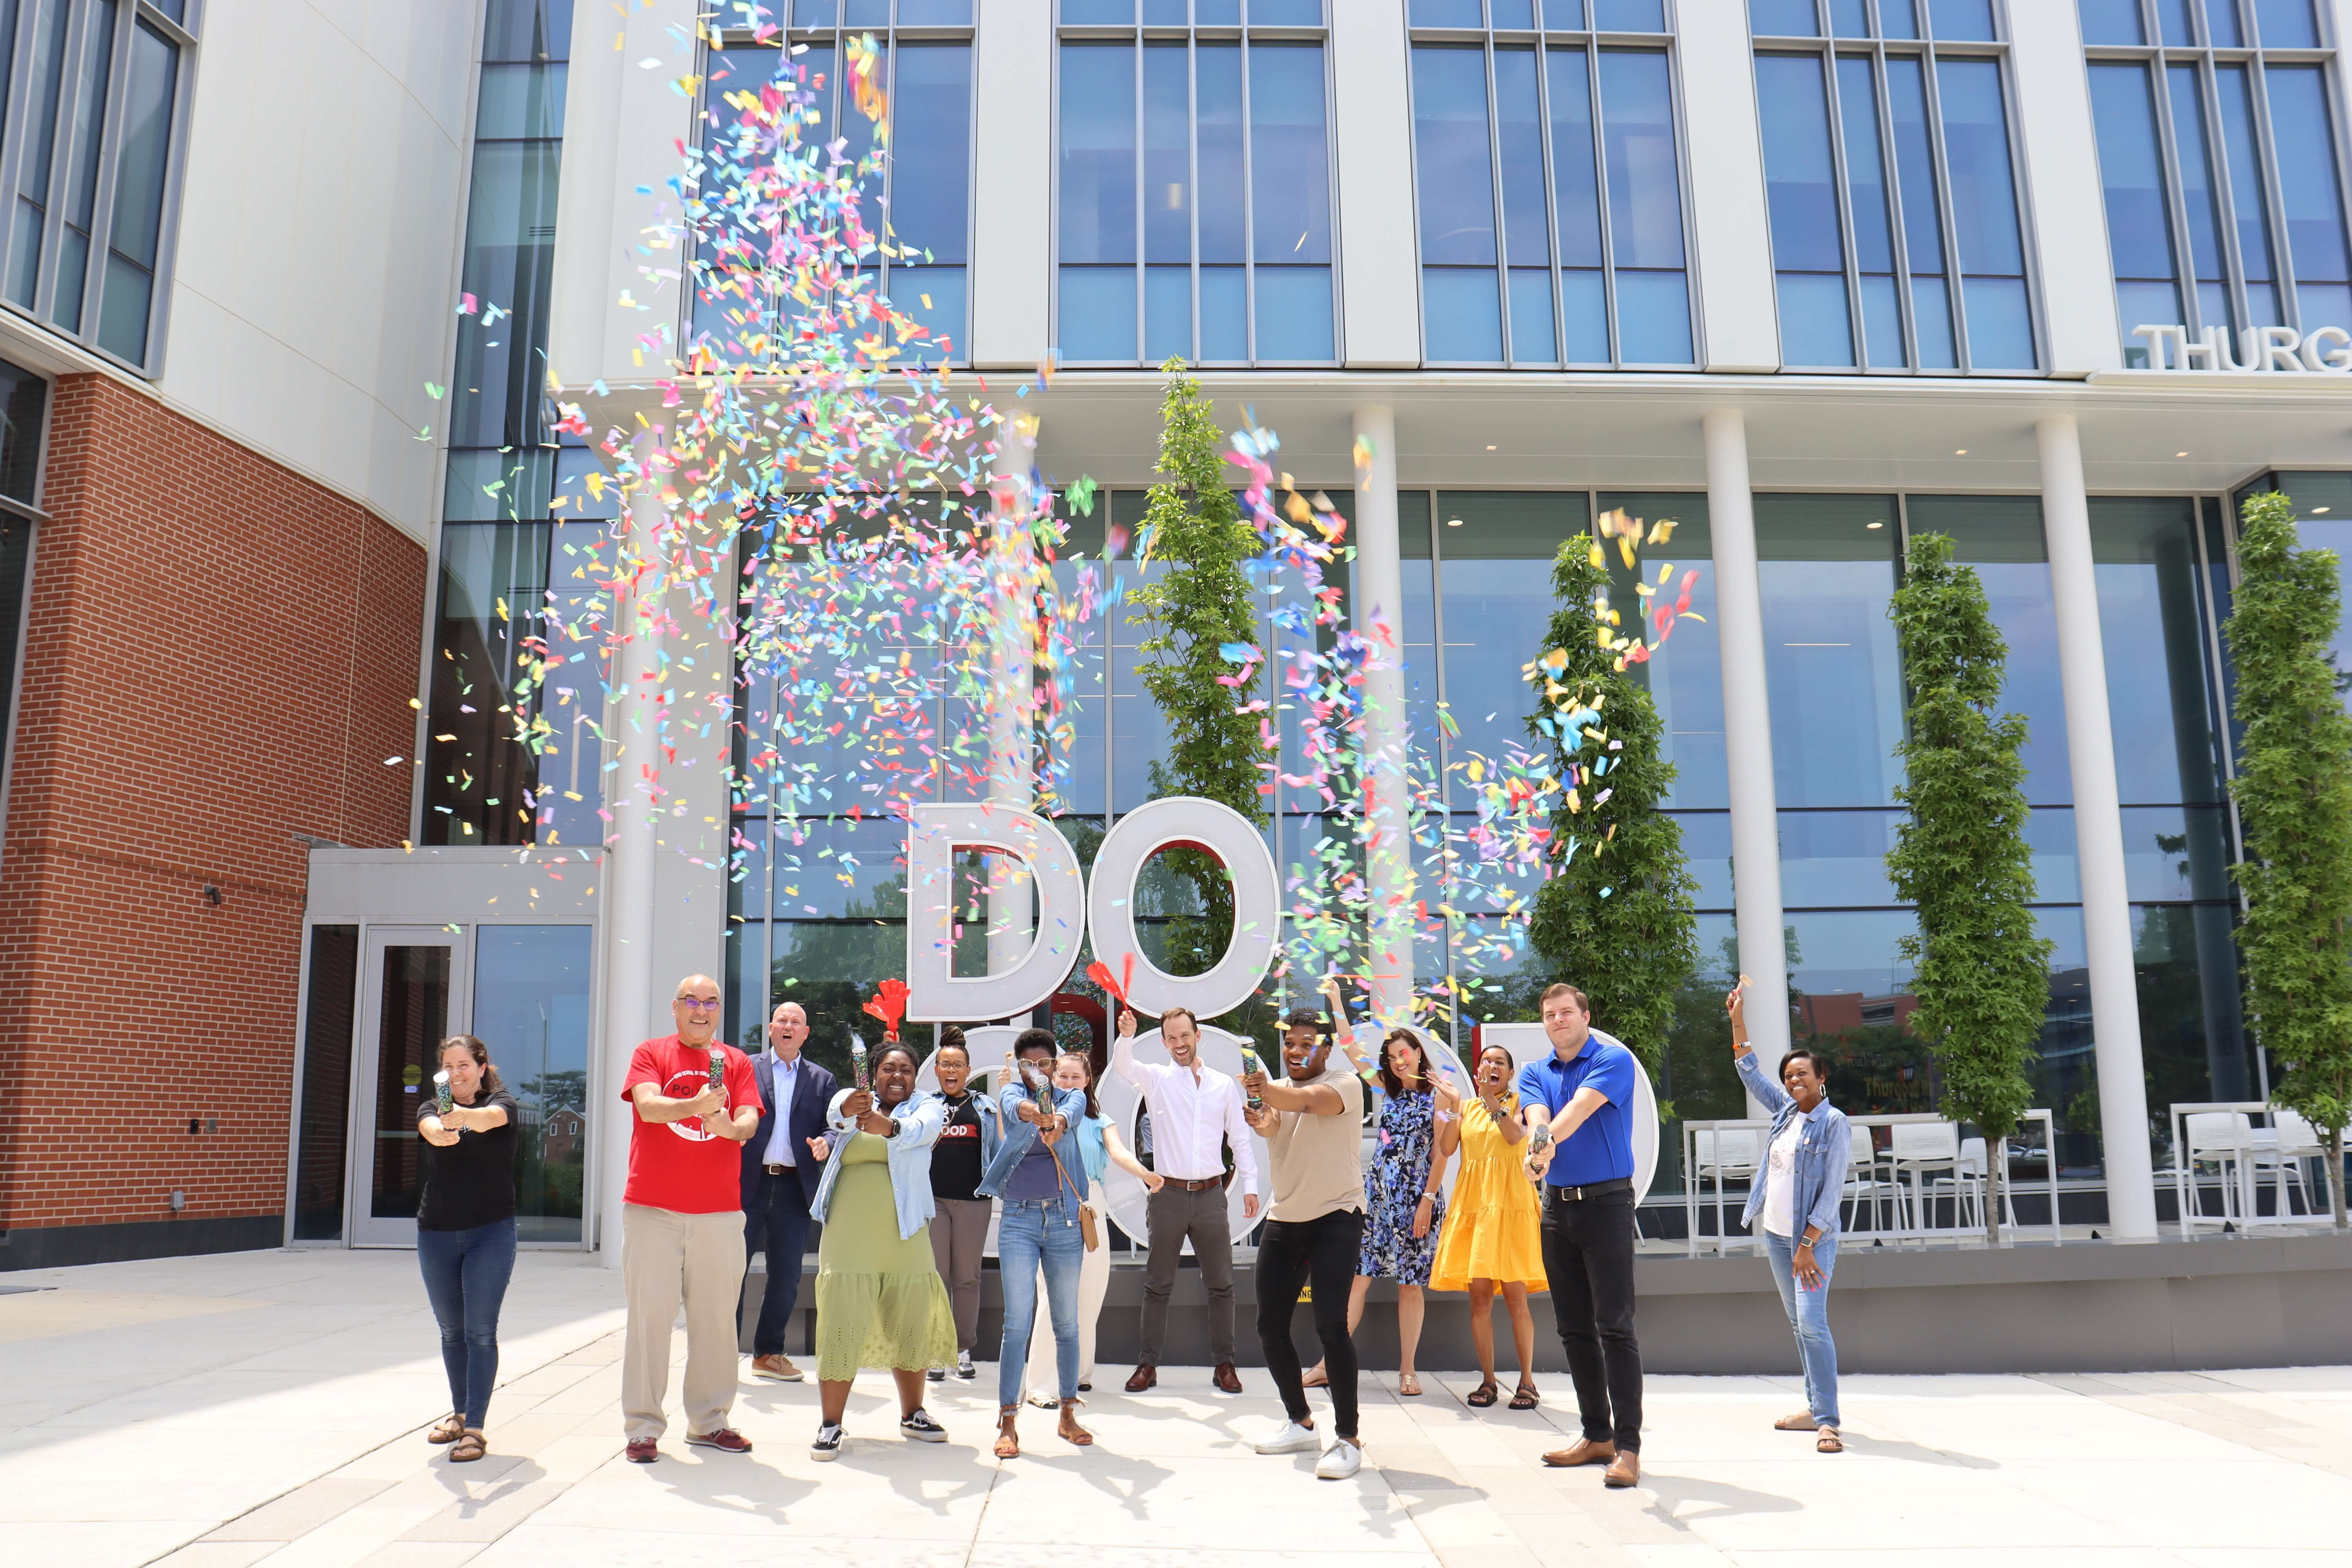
x=694, y=1102
x=782, y=1168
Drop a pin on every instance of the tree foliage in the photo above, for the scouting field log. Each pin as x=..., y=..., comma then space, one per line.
x=2294, y=799
x=1197, y=602
x=1980, y=972
x=1616, y=918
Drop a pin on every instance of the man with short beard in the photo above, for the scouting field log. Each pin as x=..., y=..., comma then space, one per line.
x=1195, y=1113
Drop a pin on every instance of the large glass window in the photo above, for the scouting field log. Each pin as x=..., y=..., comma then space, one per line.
x=918, y=203
x=24, y=398
x=1891, y=174
x=94, y=100
x=2221, y=151
x=1549, y=184
x=1192, y=186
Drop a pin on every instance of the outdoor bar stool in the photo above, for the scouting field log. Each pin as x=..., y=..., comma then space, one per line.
x=1920, y=1148
x=2224, y=1141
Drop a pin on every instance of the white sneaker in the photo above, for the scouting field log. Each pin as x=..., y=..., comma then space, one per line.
x=1339, y=1461
x=1293, y=1438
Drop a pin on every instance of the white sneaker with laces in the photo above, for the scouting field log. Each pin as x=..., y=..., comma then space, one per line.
x=1293, y=1438
x=1341, y=1460
x=964, y=1369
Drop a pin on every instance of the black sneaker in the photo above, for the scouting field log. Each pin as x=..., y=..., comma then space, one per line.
x=922, y=1428
x=827, y=1445
x=964, y=1369
x=937, y=1375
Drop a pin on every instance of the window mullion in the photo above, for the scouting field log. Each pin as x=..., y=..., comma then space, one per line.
x=1142, y=204
x=1843, y=195
x=12, y=139
x=1191, y=268
x=1249, y=208
x=59, y=193
x=109, y=154
x=1891, y=173
x=1943, y=167
x=1494, y=183
x=2225, y=204
x=2176, y=200
x=1600, y=197
x=1552, y=242
x=2274, y=194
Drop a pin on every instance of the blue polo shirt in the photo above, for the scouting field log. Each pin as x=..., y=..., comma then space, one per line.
x=1602, y=1149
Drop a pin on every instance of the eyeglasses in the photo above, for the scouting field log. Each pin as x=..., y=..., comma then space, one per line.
x=697, y=1004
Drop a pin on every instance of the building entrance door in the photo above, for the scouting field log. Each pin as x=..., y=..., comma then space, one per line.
x=411, y=996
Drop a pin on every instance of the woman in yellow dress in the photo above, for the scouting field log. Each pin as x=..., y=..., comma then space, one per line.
x=1493, y=1237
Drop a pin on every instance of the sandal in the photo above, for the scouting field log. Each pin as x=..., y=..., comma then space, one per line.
x=472, y=1446
x=1008, y=1446
x=449, y=1430
x=1069, y=1429
x=1526, y=1398
x=1486, y=1394
x=1829, y=1442
x=1801, y=1422
x=1409, y=1384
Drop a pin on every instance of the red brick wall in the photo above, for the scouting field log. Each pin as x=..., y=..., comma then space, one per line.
x=219, y=654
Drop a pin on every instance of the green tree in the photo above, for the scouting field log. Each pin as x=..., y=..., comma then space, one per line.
x=2294, y=799
x=1198, y=601
x=1617, y=915
x=1980, y=972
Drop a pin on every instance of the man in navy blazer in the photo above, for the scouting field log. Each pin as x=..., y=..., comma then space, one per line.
x=781, y=1173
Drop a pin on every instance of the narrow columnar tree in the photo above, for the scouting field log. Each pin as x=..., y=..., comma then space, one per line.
x=2295, y=798
x=1980, y=973
x=1617, y=917
x=1198, y=602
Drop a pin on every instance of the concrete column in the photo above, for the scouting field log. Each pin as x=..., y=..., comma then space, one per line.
x=1379, y=247
x=2098, y=832
x=1733, y=296
x=1377, y=610
x=1013, y=709
x=633, y=718
x=1747, y=733
x=1012, y=173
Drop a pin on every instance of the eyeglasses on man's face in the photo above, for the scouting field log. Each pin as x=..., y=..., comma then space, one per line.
x=697, y=1004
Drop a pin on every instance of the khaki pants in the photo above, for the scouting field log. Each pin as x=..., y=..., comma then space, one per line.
x=667, y=1257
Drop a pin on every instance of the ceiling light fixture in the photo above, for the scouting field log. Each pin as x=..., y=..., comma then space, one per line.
x=1490, y=448
x=1873, y=525
x=2181, y=454
x=2317, y=510
x=1959, y=452
x=1456, y=522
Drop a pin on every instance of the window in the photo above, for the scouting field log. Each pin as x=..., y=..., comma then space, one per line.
x=1891, y=175
x=1549, y=184
x=2220, y=151
x=24, y=398
x=1193, y=184
x=919, y=202
x=93, y=100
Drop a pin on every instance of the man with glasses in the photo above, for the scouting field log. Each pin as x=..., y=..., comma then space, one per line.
x=781, y=1173
x=696, y=1103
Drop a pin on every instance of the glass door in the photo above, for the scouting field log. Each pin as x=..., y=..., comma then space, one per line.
x=412, y=993
x=530, y=1004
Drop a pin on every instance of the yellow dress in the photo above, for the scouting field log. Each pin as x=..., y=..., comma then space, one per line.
x=1493, y=1224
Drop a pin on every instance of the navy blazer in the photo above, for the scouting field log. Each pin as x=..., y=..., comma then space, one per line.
x=810, y=1096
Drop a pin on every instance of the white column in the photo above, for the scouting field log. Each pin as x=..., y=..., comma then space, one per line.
x=2098, y=832
x=1731, y=268
x=1378, y=611
x=628, y=908
x=2061, y=168
x=1012, y=173
x=1378, y=249
x=1013, y=711
x=1747, y=733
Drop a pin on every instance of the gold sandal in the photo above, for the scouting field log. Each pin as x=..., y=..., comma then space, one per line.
x=1008, y=1446
x=1409, y=1384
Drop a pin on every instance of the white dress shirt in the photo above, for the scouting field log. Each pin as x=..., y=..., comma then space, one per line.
x=784, y=1077
x=1194, y=1112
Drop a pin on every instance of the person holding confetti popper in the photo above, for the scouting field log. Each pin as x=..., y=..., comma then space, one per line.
x=782, y=1163
x=1492, y=1240
x=1099, y=1148
x=466, y=1230
x=1039, y=1229
x=879, y=1298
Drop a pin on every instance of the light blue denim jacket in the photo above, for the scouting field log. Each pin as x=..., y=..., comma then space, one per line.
x=920, y=1120
x=1823, y=1150
x=1014, y=1147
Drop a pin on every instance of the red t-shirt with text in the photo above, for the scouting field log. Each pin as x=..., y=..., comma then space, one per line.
x=683, y=1166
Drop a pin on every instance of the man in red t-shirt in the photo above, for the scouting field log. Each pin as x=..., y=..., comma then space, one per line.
x=682, y=1222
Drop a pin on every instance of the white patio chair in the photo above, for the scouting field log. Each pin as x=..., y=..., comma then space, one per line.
x=1724, y=1157
x=1921, y=1149
x=2280, y=1149
x=1864, y=1184
x=1967, y=1186
x=2221, y=1141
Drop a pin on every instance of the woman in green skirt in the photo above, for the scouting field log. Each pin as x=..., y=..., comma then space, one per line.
x=879, y=1299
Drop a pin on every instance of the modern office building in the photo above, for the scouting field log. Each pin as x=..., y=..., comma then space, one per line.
x=2064, y=282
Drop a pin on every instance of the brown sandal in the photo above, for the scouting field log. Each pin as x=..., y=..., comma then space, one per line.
x=1069, y=1429
x=449, y=1430
x=1801, y=1422
x=1008, y=1446
x=469, y=1448
x=1484, y=1394
x=1526, y=1398
x=1829, y=1442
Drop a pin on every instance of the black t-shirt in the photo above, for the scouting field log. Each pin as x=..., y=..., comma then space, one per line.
x=955, y=1158
x=471, y=1182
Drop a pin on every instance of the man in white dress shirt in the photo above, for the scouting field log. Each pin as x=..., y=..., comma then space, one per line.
x=780, y=1174
x=1196, y=1115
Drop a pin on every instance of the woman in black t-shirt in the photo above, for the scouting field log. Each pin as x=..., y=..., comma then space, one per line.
x=466, y=1231
x=960, y=1215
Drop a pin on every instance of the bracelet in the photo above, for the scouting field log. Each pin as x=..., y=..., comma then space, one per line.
x=1427, y=1197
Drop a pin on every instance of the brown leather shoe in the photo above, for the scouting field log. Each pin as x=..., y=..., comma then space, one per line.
x=1583, y=1451
x=1227, y=1380
x=1142, y=1379
x=1624, y=1470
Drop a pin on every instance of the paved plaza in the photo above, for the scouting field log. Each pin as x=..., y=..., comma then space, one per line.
x=269, y=1407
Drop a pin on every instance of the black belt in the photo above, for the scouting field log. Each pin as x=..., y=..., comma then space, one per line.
x=781, y=1170
x=1596, y=1190
x=1184, y=1184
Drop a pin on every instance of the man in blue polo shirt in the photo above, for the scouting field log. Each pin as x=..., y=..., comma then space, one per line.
x=1579, y=1105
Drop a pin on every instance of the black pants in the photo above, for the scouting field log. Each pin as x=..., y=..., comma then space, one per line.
x=777, y=1223
x=1322, y=1253
x=1587, y=1255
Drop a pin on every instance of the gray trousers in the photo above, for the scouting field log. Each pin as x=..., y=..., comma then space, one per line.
x=959, y=1227
x=1172, y=1218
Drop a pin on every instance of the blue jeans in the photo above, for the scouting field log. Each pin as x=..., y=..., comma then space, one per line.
x=776, y=1222
x=1809, y=1315
x=1035, y=1231
x=466, y=1275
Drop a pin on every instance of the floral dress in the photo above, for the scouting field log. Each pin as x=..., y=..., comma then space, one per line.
x=1392, y=1187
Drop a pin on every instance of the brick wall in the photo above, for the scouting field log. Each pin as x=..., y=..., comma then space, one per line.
x=219, y=654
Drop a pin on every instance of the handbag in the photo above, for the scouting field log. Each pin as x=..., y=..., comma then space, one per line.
x=1086, y=1226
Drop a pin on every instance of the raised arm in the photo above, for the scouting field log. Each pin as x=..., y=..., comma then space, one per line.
x=1122, y=1054
x=1769, y=1095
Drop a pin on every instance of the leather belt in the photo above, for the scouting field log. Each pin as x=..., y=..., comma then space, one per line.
x=1597, y=1190
x=781, y=1170
x=1203, y=1185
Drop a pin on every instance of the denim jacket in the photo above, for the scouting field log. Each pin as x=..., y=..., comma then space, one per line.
x=1823, y=1150
x=1013, y=1147
x=920, y=1120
